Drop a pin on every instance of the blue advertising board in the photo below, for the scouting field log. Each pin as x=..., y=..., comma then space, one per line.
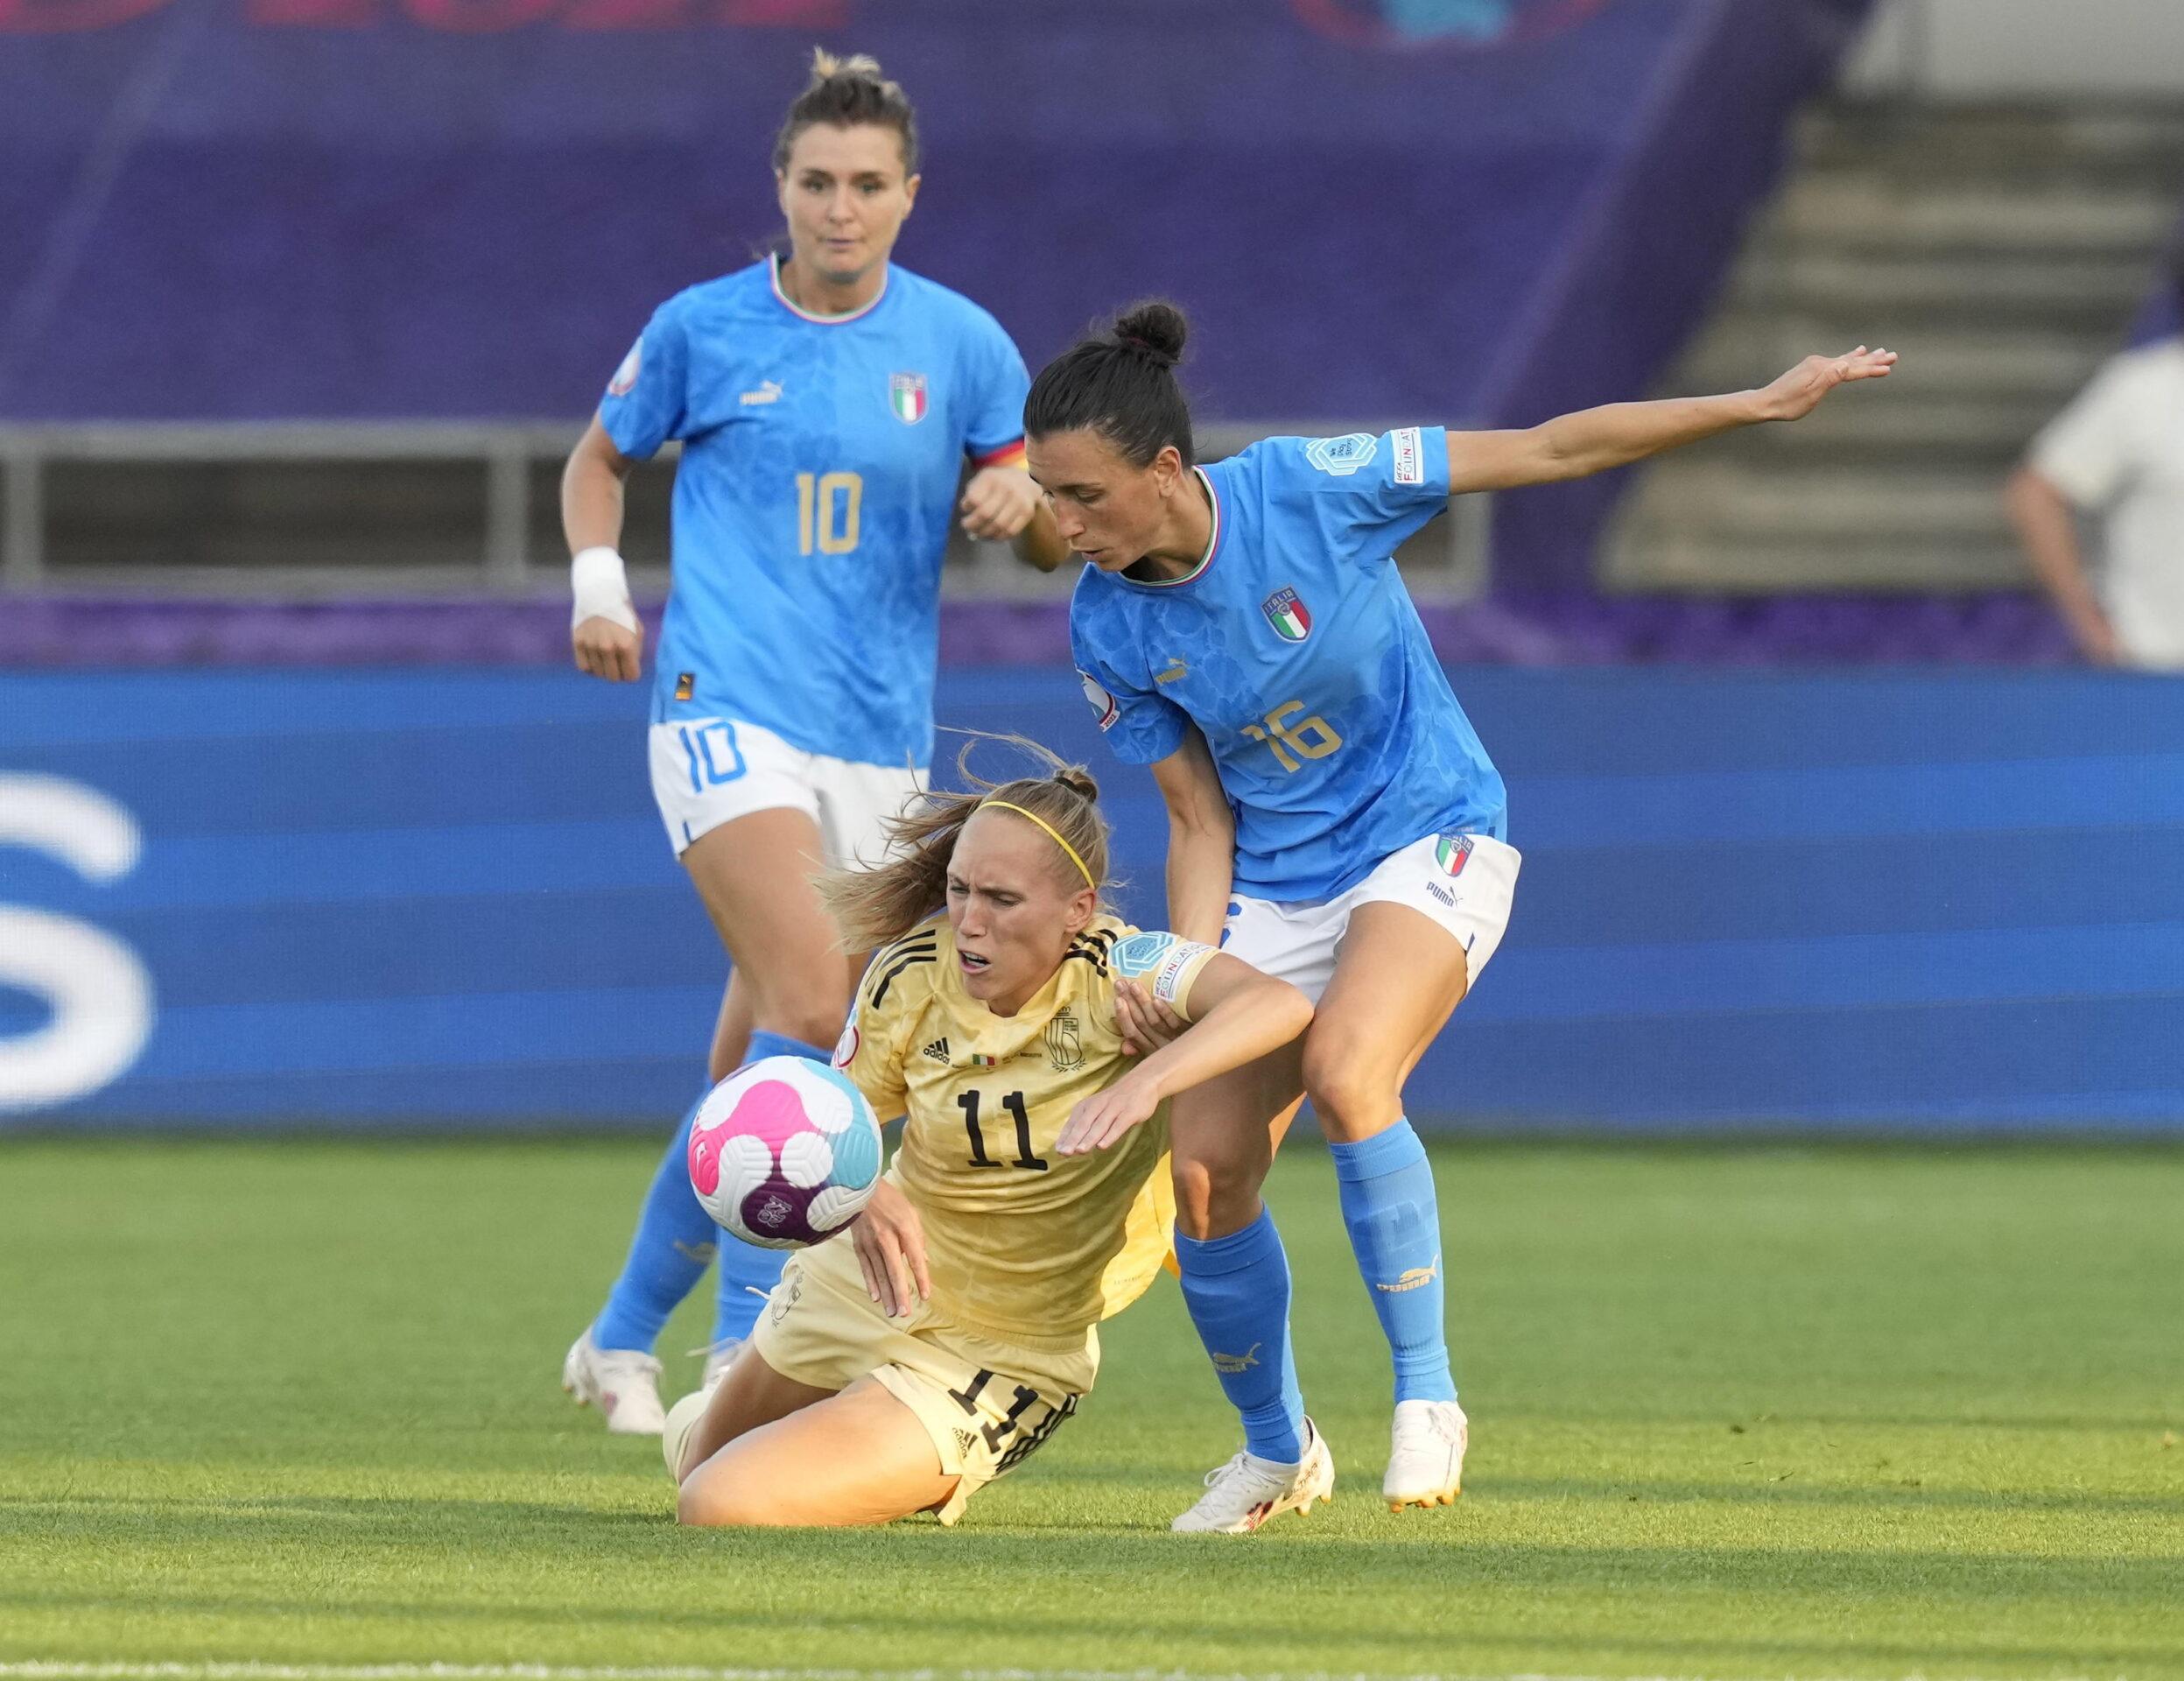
x=415, y=899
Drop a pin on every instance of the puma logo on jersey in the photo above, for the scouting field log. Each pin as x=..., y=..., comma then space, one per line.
x=1175, y=673
x=937, y=1052
x=1243, y=1362
x=1413, y=1278
x=768, y=391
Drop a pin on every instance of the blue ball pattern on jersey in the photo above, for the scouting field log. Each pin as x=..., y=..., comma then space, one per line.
x=817, y=484
x=1296, y=649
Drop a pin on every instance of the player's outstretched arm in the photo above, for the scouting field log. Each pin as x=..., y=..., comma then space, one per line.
x=1238, y=1015
x=1593, y=440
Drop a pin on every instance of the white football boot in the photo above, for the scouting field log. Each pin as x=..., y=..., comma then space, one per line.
x=682, y=1418
x=1248, y=1490
x=1425, y=1459
x=624, y=1383
x=718, y=1358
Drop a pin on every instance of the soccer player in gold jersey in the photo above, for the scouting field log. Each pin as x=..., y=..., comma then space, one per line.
x=938, y=1342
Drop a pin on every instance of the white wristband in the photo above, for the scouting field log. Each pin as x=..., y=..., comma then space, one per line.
x=602, y=589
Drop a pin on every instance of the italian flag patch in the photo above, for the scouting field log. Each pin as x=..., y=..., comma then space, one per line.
x=1452, y=852
x=906, y=396
x=1287, y=613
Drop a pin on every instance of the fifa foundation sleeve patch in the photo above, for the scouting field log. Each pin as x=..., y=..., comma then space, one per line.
x=1171, y=963
x=1410, y=456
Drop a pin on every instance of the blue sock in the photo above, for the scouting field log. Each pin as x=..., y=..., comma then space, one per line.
x=1236, y=1288
x=1388, y=1202
x=748, y=1273
x=675, y=1243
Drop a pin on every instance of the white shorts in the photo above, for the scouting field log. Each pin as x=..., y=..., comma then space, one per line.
x=1466, y=882
x=707, y=771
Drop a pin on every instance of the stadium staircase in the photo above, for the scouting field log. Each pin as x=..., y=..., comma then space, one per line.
x=2004, y=251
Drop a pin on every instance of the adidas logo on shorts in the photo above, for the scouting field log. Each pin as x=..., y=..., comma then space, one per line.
x=938, y=1050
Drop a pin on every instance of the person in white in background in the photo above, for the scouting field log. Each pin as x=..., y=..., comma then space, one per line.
x=2116, y=453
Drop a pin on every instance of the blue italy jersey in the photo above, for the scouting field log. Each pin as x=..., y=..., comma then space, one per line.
x=819, y=478
x=1296, y=649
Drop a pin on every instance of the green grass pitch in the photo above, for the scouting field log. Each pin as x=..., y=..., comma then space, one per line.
x=1736, y=1412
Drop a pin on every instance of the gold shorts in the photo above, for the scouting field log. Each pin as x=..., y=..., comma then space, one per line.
x=988, y=1406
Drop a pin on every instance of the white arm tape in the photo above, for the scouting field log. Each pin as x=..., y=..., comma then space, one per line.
x=602, y=589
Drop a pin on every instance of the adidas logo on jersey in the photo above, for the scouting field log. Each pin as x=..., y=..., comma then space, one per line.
x=965, y=1441
x=937, y=1052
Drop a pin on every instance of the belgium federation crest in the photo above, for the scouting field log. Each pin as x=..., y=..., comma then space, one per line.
x=906, y=396
x=1287, y=613
x=1065, y=1048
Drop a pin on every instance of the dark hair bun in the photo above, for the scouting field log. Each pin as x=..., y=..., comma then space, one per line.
x=1079, y=781
x=1155, y=328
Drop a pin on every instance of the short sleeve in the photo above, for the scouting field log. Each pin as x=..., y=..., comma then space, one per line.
x=870, y=1050
x=1168, y=963
x=1365, y=493
x=997, y=384
x=2085, y=451
x=644, y=404
x=1141, y=727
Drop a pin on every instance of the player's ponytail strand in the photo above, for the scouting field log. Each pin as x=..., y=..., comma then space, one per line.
x=1121, y=383
x=849, y=93
x=875, y=907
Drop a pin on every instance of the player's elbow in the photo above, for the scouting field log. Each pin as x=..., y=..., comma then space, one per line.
x=1200, y=820
x=1552, y=456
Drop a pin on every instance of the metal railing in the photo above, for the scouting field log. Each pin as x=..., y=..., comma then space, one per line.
x=519, y=551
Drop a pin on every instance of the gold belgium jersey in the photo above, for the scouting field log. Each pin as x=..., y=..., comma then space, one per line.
x=1022, y=1244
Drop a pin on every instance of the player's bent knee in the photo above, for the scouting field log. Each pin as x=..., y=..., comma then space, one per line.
x=1216, y=1196
x=1353, y=1094
x=725, y=1502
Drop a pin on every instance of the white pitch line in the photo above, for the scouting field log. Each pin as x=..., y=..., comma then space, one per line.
x=247, y=1671
x=253, y=1671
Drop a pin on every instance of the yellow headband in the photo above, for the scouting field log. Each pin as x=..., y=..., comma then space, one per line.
x=1051, y=830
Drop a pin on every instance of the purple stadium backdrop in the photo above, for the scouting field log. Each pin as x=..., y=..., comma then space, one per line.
x=1476, y=210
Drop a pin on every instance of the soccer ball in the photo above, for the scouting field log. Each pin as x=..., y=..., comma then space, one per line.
x=784, y=1153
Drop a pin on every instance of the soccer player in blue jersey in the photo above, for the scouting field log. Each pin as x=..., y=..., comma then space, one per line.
x=826, y=401
x=1242, y=628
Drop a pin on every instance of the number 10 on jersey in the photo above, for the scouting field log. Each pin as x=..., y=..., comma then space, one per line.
x=828, y=506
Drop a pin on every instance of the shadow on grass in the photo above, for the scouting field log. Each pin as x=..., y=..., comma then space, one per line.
x=1894, y=1496
x=882, y=1639
x=1313, y=1557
